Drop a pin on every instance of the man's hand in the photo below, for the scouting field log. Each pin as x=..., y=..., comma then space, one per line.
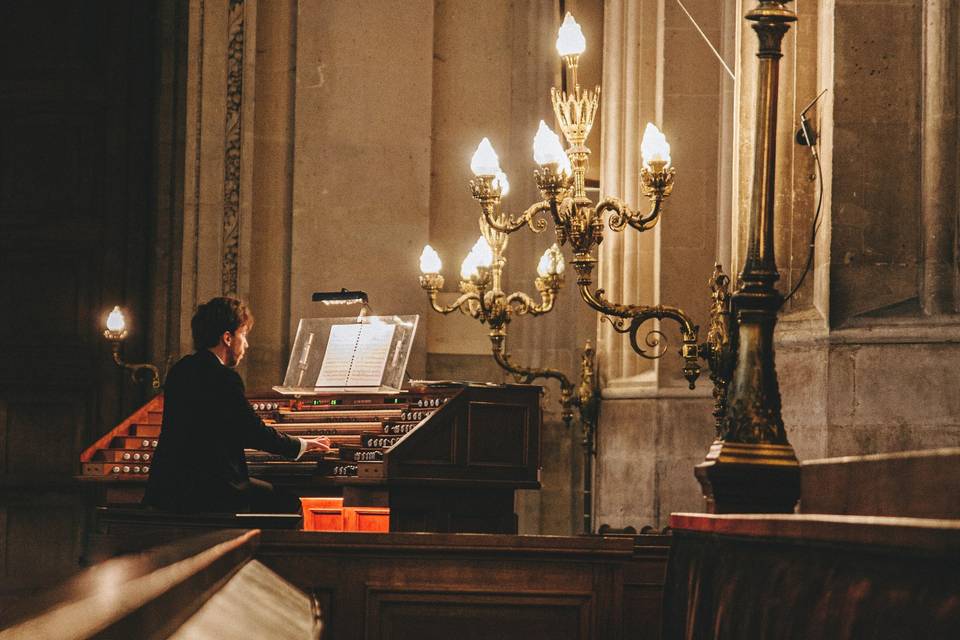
x=319, y=443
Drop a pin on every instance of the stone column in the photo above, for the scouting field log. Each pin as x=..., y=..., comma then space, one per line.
x=218, y=149
x=939, y=158
x=653, y=430
x=272, y=193
x=627, y=263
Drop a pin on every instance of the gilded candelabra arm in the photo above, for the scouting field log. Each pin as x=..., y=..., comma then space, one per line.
x=134, y=369
x=469, y=302
x=656, y=183
x=623, y=215
x=548, y=286
x=487, y=191
x=618, y=314
x=506, y=223
x=526, y=375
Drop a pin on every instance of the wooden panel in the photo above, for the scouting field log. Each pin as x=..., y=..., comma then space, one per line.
x=411, y=614
x=50, y=295
x=42, y=542
x=373, y=519
x=42, y=437
x=439, y=449
x=76, y=127
x=460, y=586
x=497, y=435
x=28, y=169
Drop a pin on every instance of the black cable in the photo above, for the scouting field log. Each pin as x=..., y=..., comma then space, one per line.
x=816, y=218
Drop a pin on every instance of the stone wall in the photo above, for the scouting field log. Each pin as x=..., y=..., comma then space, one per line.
x=358, y=124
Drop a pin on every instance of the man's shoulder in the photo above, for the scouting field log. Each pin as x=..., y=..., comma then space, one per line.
x=201, y=364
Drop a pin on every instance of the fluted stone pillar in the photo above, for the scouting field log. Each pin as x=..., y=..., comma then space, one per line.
x=657, y=68
x=627, y=260
x=218, y=154
x=939, y=158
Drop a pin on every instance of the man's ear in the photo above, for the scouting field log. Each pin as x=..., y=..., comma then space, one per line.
x=226, y=338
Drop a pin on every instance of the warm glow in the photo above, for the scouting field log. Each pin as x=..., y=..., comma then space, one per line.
x=481, y=255
x=468, y=268
x=485, y=161
x=570, y=40
x=429, y=260
x=483, y=252
x=565, y=167
x=502, y=182
x=654, y=146
x=551, y=262
x=547, y=148
x=115, y=321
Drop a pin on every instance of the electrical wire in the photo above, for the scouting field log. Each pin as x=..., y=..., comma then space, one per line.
x=707, y=40
x=816, y=219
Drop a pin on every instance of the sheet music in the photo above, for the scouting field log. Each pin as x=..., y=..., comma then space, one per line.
x=356, y=355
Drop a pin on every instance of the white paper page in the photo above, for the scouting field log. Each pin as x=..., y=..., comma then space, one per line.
x=370, y=358
x=339, y=355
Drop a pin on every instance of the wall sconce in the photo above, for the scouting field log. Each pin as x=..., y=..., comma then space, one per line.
x=115, y=332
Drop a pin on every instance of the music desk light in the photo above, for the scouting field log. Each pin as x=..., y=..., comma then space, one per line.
x=344, y=297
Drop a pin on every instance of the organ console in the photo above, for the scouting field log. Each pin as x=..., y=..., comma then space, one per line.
x=443, y=457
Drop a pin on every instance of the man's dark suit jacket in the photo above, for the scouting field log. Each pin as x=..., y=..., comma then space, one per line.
x=207, y=422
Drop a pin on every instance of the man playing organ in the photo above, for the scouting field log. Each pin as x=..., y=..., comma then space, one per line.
x=199, y=464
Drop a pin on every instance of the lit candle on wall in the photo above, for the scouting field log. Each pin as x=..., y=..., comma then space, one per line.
x=570, y=40
x=485, y=161
x=115, y=321
x=654, y=146
x=430, y=260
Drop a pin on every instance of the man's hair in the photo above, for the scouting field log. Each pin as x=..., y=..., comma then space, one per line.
x=216, y=317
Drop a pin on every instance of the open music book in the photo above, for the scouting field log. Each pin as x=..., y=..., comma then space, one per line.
x=349, y=354
x=356, y=355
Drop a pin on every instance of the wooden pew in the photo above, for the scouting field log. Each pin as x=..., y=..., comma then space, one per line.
x=198, y=588
x=874, y=552
x=812, y=576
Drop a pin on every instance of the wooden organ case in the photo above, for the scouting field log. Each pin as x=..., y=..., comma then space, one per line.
x=440, y=457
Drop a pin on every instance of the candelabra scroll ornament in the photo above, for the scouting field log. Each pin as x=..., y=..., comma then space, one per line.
x=751, y=466
x=720, y=347
x=116, y=332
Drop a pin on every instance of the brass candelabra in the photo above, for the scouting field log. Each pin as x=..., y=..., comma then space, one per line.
x=482, y=298
x=561, y=180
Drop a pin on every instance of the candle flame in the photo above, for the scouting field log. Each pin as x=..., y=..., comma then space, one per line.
x=485, y=161
x=547, y=148
x=570, y=40
x=654, y=146
x=115, y=321
x=430, y=260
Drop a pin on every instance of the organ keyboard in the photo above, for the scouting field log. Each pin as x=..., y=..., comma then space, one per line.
x=442, y=457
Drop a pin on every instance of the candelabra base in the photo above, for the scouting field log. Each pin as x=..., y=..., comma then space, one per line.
x=749, y=478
